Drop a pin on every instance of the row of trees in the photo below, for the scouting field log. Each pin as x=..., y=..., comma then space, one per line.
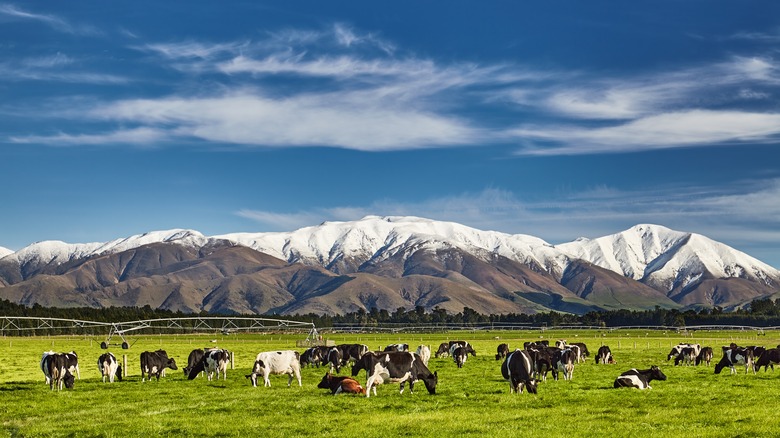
x=763, y=312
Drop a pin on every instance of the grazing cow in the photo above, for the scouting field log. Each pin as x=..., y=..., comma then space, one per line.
x=443, y=351
x=351, y=352
x=541, y=359
x=311, y=356
x=640, y=379
x=584, y=353
x=575, y=349
x=424, y=352
x=687, y=356
x=71, y=363
x=757, y=351
x=705, y=355
x=396, y=366
x=501, y=351
x=276, y=362
x=195, y=357
x=538, y=344
x=769, y=358
x=459, y=355
x=213, y=360
x=560, y=343
x=341, y=384
x=154, y=362
x=735, y=355
x=604, y=355
x=397, y=347
x=563, y=361
x=464, y=344
x=334, y=359
x=55, y=368
x=109, y=368
x=677, y=349
x=518, y=370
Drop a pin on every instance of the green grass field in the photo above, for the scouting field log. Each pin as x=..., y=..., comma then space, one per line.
x=472, y=401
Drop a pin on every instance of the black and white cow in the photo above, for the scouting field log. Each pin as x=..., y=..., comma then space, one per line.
x=71, y=363
x=705, y=356
x=109, y=368
x=443, y=350
x=424, y=352
x=541, y=358
x=464, y=344
x=395, y=366
x=518, y=369
x=397, y=347
x=563, y=361
x=351, y=352
x=640, y=379
x=768, y=359
x=55, y=368
x=154, y=362
x=584, y=353
x=334, y=359
x=195, y=357
x=213, y=360
x=757, y=351
x=311, y=357
x=501, y=351
x=459, y=355
x=677, y=349
x=687, y=356
x=276, y=362
x=735, y=355
x=604, y=355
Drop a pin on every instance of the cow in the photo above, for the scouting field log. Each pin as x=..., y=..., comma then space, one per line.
x=687, y=356
x=396, y=366
x=757, y=351
x=768, y=359
x=154, y=362
x=351, y=352
x=560, y=343
x=734, y=355
x=71, y=363
x=518, y=370
x=195, y=357
x=464, y=344
x=334, y=359
x=604, y=355
x=341, y=384
x=397, y=347
x=459, y=355
x=541, y=359
x=538, y=344
x=443, y=350
x=563, y=361
x=584, y=353
x=501, y=351
x=424, y=352
x=276, y=362
x=109, y=368
x=640, y=379
x=677, y=349
x=213, y=360
x=705, y=355
x=575, y=349
x=55, y=368
x=311, y=357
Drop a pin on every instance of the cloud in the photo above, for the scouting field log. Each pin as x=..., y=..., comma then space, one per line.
x=137, y=136
x=52, y=21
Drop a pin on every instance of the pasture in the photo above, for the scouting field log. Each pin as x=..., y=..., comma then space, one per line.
x=472, y=401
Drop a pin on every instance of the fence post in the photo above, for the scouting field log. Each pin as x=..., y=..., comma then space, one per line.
x=124, y=365
x=232, y=358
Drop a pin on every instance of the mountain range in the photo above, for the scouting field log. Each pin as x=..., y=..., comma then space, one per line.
x=387, y=263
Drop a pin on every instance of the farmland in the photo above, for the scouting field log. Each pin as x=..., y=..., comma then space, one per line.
x=472, y=401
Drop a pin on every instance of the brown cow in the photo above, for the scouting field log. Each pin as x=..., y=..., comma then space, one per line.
x=338, y=384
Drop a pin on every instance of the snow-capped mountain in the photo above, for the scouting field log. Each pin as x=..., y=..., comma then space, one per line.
x=389, y=261
x=4, y=252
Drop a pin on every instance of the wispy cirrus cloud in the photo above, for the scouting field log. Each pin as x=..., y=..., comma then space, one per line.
x=57, y=23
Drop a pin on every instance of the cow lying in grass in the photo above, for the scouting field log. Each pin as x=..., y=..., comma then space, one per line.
x=341, y=384
x=640, y=379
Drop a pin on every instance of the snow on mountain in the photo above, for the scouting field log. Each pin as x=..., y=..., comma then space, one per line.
x=664, y=258
x=4, y=252
x=384, y=237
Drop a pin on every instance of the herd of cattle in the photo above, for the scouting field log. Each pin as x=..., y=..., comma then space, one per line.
x=523, y=369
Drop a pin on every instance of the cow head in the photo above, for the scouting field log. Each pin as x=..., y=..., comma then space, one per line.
x=531, y=386
x=430, y=382
x=325, y=382
x=172, y=364
x=68, y=379
x=119, y=372
x=656, y=373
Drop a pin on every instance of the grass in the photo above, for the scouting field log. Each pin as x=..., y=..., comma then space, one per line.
x=472, y=401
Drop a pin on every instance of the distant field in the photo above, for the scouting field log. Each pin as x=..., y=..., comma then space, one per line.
x=473, y=401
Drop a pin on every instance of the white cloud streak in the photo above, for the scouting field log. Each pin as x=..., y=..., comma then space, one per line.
x=52, y=21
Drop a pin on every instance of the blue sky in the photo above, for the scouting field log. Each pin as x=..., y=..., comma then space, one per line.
x=555, y=119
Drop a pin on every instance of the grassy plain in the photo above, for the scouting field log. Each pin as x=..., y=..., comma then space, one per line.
x=472, y=401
